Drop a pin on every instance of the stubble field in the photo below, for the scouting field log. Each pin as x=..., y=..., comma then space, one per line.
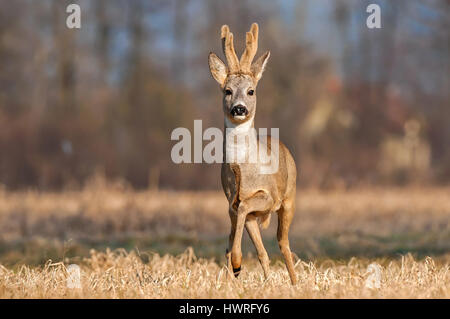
x=132, y=244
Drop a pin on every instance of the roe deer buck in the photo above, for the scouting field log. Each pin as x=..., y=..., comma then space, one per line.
x=252, y=195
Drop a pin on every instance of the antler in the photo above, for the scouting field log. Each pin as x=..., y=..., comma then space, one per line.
x=228, y=49
x=251, y=46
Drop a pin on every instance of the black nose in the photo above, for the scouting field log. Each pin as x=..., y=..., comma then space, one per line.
x=239, y=110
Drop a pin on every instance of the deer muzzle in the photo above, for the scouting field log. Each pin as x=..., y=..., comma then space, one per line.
x=239, y=110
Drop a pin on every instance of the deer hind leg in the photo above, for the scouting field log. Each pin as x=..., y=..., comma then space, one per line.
x=252, y=227
x=285, y=215
x=261, y=201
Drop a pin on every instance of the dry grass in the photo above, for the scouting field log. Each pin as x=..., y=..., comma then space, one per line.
x=104, y=211
x=123, y=275
x=336, y=235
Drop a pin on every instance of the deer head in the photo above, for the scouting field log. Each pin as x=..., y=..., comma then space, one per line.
x=239, y=79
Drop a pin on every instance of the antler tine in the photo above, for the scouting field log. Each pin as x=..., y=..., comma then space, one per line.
x=251, y=46
x=228, y=49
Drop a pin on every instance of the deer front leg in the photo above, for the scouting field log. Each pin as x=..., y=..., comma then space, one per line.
x=236, y=252
x=233, y=219
x=261, y=201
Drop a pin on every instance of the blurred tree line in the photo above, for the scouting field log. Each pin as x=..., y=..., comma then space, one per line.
x=356, y=106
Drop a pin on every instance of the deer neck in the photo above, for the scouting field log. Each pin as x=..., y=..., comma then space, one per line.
x=241, y=128
x=239, y=146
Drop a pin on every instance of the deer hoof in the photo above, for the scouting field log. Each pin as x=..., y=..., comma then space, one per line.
x=236, y=271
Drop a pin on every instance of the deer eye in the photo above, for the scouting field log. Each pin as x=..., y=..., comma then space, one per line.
x=251, y=92
x=228, y=92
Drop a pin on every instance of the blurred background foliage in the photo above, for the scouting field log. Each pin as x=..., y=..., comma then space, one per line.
x=356, y=106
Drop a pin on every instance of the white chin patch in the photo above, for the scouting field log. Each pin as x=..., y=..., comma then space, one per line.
x=239, y=117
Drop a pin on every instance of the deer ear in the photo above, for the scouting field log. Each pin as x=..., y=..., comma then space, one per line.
x=259, y=65
x=217, y=68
